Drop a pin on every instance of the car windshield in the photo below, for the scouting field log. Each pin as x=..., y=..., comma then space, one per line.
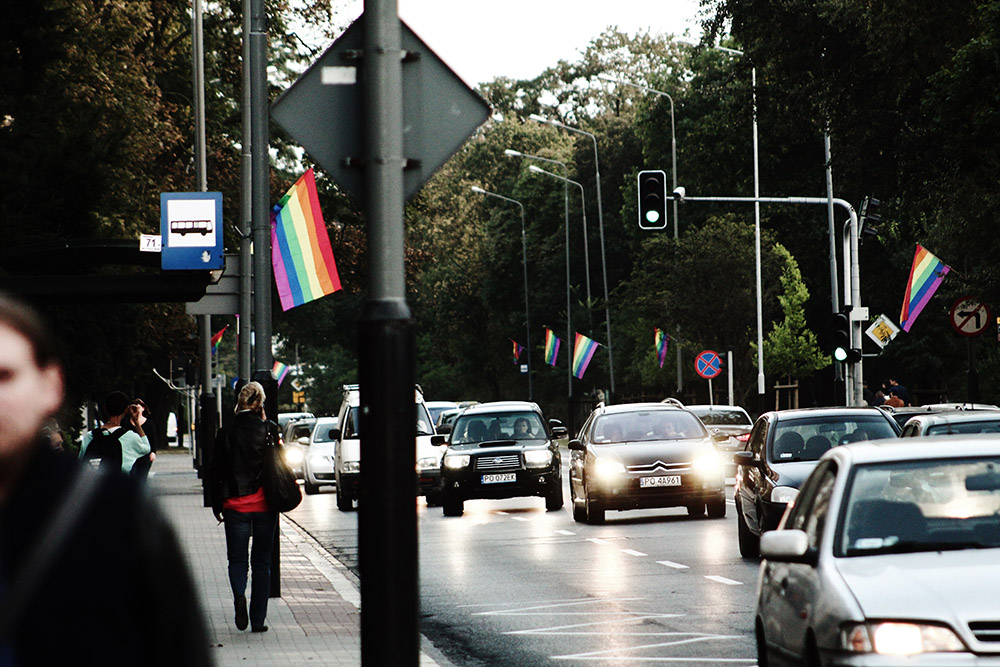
x=930, y=505
x=808, y=439
x=647, y=426
x=325, y=431
x=722, y=417
x=424, y=424
x=985, y=426
x=515, y=425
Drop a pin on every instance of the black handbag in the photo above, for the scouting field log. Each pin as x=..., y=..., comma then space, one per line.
x=280, y=486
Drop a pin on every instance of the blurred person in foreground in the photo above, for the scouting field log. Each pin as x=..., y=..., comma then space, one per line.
x=90, y=572
x=236, y=482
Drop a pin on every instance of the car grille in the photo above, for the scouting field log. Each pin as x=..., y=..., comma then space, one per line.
x=986, y=631
x=660, y=466
x=499, y=462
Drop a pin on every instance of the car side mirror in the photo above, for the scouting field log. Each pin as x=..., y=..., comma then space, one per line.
x=576, y=446
x=444, y=428
x=335, y=434
x=560, y=432
x=438, y=440
x=787, y=546
x=304, y=440
x=744, y=459
x=555, y=422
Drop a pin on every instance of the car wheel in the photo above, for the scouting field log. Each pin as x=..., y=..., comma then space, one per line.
x=433, y=499
x=717, y=508
x=749, y=543
x=344, y=501
x=554, y=498
x=595, y=513
x=579, y=512
x=311, y=489
x=452, y=506
x=696, y=508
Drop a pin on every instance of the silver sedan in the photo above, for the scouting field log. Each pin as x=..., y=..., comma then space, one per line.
x=889, y=556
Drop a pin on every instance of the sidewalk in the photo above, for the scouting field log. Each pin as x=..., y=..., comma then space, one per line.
x=317, y=619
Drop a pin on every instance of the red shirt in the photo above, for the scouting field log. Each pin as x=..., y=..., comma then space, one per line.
x=255, y=502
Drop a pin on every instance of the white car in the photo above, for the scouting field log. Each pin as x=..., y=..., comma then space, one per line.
x=890, y=555
x=318, y=468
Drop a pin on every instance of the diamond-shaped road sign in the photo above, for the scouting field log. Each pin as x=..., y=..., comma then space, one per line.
x=322, y=110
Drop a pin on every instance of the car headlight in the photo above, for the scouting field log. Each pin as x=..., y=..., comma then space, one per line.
x=898, y=638
x=607, y=468
x=456, y=461
x=427, y=463
x=708, y=465
x=537, y=458
x=784, y=494
x=293, y=456
x=351, y=466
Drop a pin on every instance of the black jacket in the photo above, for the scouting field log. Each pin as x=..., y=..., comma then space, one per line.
x=237, y=467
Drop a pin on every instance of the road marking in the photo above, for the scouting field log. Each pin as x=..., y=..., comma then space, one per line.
x=676, y=566
x=614, y=653
x=723, y=580
x=565, y=532
x=560, y=629
x=530, y=611
x=633, y=552
x=597, y=540
x=518, y=518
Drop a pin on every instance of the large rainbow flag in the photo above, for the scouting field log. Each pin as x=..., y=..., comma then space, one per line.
x=304, y=268
x=926, y=275
x=583, y=352
x=551, y=347
x=661, y=340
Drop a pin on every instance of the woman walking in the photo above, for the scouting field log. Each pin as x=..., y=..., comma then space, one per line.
x=237, y=474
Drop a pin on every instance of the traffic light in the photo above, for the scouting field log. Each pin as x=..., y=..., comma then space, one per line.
x=869, y=218
x=652, y=199
x=842, y=350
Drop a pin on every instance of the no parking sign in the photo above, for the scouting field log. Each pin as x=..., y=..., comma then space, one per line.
x=708, y=364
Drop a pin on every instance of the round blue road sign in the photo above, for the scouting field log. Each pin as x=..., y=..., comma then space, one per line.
x=708, y=364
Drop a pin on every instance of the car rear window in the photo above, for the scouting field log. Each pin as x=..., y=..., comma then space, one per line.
x=809, y=438
x=723, y=417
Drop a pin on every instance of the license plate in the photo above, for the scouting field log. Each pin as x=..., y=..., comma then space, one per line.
x=666, y=480
x=500, y=478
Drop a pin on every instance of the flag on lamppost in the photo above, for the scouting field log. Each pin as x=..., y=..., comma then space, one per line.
x=217, y=338
x=583, y=351
x=926, y=275
x=551, y=347
x=279, y=371
x=661, y=341
x=518, y=350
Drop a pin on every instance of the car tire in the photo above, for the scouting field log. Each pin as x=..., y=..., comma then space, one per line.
x=311, y=489
x=554, y=498
x=344, y=501
x=763, y=660
x=452, y=506
x=696, y=508
x=717, y=508
x=749, y=543
x=579, y=512
x=433, y=499
x=595, y=513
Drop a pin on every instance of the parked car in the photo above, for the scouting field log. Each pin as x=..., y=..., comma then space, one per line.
x=318, y=470
x=644, y=455
x=347, y=456
x=953, y=422
x=730, y=427
x=888, y=557
x=504, y=449
x=295, y=438
x=783, y=449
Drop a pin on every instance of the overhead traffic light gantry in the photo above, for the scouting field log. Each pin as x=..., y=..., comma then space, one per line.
x=652, y=186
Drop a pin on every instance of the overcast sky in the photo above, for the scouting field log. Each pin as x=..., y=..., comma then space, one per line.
x=520, y=38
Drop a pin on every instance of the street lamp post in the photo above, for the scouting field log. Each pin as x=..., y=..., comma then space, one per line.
x=524, y=262
x=600, y=225
x=510, y=152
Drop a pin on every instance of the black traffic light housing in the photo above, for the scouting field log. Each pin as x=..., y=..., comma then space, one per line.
x=869, y=218
x=842, y=350
x=652, y=185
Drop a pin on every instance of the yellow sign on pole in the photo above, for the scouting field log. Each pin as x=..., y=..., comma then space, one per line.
x=882, y=330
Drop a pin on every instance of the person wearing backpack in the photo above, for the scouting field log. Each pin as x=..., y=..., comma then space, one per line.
x=121, y=440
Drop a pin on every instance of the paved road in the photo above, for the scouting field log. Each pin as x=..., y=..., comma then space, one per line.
x=511, y=584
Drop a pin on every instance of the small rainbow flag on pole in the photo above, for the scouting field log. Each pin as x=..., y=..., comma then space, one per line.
x=304, y=268
x=551, y=347
x=583, y=352
x=518, y=349
x=217, y=338
x=279, y=371
x=926, y=275
x=661, y=341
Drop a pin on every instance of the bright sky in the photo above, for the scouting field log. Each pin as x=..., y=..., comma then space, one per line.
x=521, y=38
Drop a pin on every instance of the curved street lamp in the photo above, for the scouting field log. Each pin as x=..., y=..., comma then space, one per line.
x=524, y=262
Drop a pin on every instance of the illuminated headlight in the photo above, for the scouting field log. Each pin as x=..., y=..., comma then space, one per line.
x=317, y=460
x=889, y=638
x=351, y=466
x=608, y=468
x=784, y=494
x=427, y=463
x=708, y=465
x=537, y=458
x=456, y=461
x=293, y=456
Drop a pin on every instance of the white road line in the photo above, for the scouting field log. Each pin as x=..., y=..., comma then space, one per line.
x=597, y=540
x=676, y=566
x=723, y=580
x=560, y=605
x=518, y=518
x=609, y=654
x=633, y=552
x=561, y=629
x=565, y=532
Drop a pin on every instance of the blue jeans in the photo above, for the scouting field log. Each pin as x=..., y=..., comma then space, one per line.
x=239, y=527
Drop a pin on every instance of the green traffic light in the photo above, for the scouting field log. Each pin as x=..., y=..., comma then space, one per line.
x=652, y=216
x=840, y=354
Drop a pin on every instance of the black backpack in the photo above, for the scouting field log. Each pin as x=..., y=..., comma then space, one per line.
x=106, y=448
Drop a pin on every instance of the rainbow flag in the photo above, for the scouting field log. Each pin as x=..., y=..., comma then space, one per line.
x=279, y=371
x=583, y=352
x=661, y=340
x=551, y=347
x=217, y=338
x=518, y=349
x=926, y=275
x=304, y=268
